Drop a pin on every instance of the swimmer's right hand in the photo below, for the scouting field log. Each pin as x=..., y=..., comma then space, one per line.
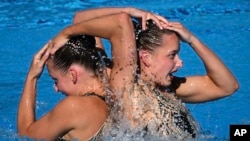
x=38, y=62
x=145, y=15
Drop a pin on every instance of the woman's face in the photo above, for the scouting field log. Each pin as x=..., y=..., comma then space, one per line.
x=62, y=82
x=165, y=60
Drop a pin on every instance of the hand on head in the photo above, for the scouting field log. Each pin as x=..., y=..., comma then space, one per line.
x=185, y=35
x=38, y=62
x=145, y=15
x=57, y=42
x=159, y=20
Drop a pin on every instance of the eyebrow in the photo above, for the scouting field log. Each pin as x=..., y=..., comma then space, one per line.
x=174, y=51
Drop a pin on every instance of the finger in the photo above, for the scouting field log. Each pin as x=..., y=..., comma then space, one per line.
x=174, y=28
x=176, y=24
x=45, y=56
x=40, y=53
x=144, y=23
x=158, y=23
x=43, y=50
x=155, y=19
x=169, y=27
x=162, y=19
x=164, y=25
x=51, y=46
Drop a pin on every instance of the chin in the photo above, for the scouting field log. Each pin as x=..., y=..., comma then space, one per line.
x=165, y=84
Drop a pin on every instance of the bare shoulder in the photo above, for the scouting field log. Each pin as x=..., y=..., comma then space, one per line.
x=82, y=110
x=79, y=104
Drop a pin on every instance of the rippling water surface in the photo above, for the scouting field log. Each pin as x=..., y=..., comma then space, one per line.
x=25, y=26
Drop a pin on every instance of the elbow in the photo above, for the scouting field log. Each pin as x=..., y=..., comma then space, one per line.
x=124, y=25
x=23, y=129
x=27, y=133
x=22, y=133
x=124, y=20
x=235, y=86
x=20, y=129
x=232, y=88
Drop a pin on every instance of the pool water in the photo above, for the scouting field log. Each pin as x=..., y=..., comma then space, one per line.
x=223, y=25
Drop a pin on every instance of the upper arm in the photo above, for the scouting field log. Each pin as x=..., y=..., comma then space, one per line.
x=53, y=124
x=118, y=28
x=195, y=89
x=97, y=12
x=123, y=53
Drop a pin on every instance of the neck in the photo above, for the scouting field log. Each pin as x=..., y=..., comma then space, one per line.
x=146, y=75
x=91, y=85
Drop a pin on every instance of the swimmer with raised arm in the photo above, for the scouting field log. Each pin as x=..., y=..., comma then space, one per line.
x=158, y=56
x=122, y=77
x=76, y=69
x=158, y=51
x=80, y=82
x=163, y=45
x=219, y=82
x=149, y=103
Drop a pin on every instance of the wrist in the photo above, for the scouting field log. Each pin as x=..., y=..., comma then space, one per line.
x=32, y=77
x=31, y=80
x=67, y=32
x=192, y=40
x=129, y=10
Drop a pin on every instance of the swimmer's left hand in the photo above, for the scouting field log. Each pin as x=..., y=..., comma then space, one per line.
x=159, y=20
x=185, y=35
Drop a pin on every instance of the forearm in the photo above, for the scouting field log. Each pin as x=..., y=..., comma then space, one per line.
x=215, y=68
x=93, y=27
x=26, y=110
x=98, y=12
x=85, y=15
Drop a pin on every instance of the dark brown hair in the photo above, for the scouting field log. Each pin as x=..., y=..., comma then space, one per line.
x=80, y=50
x=152, y=37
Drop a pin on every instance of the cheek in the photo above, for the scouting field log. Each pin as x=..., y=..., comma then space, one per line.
x=168, y=64
x=61, y=84
x=66, y=86
x=172, y=64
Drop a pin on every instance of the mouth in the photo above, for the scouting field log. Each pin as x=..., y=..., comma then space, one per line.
x=171, y=76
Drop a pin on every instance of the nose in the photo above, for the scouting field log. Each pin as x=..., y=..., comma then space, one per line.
x=179, y=62
x=56, y=88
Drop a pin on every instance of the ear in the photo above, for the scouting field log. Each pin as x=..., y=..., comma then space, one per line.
x=145, y=57
x=72, y=73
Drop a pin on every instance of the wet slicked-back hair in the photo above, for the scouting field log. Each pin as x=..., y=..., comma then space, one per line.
x=152, y=37
x=80, y=50
x=149, y=39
